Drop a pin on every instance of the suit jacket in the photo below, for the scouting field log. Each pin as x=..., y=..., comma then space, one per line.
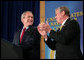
x=67, y=41
x=30, y=43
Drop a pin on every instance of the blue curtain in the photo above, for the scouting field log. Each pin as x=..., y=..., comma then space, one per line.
x=11, y=16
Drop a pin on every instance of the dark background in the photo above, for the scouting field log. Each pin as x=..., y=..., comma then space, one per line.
x=11, y=16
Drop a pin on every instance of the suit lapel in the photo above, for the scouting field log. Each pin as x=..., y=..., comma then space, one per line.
x=64, y=24
x=27, y=33
x=67, y=21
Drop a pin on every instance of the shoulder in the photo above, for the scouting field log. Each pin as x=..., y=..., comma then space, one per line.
x=33, y=28
x=17, y=31
x=73, y=22
x=36, y=31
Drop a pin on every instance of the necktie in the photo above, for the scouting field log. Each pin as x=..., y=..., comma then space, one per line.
x=22, y=34
x=61, y=27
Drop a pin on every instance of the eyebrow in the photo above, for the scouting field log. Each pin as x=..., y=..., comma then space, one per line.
x=29, y=16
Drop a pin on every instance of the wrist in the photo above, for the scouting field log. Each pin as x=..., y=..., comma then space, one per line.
x=49, y=30
x=45, y=37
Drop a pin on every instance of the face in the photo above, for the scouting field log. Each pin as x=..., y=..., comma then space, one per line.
x=27, y=19
x=58, y=16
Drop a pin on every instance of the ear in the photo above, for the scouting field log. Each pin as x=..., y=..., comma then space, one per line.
x=63, y=13
x=21, y=20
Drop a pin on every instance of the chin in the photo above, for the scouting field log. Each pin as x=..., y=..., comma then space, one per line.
x=29, y=24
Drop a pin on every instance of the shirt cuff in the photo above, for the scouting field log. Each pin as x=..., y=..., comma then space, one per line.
x=48, y=33
x=46, y=39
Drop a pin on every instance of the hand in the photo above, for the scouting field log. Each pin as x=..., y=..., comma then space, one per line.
x=48, y=29
x=41, y=28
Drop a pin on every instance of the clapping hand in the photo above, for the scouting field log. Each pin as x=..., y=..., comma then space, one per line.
x=43, y=29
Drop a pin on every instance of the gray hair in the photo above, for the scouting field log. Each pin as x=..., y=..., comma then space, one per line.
x=23, y=14
x=65, y=9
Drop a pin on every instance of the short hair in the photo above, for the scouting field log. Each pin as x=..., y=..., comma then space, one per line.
x=65, y=9
x=23, y=14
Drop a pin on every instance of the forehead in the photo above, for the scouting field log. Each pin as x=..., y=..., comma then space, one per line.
x=28, y=14
x=57, y=10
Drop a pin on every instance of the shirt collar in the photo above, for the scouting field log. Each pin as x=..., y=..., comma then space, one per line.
x=26, y=28
x=64, y=22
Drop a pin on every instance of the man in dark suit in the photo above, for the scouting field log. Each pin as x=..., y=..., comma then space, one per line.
x=66, y=41
x=28, y=38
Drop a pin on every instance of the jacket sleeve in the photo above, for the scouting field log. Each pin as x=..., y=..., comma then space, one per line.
x=51, y=44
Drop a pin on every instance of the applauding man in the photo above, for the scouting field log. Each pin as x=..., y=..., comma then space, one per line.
x=66, y=41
